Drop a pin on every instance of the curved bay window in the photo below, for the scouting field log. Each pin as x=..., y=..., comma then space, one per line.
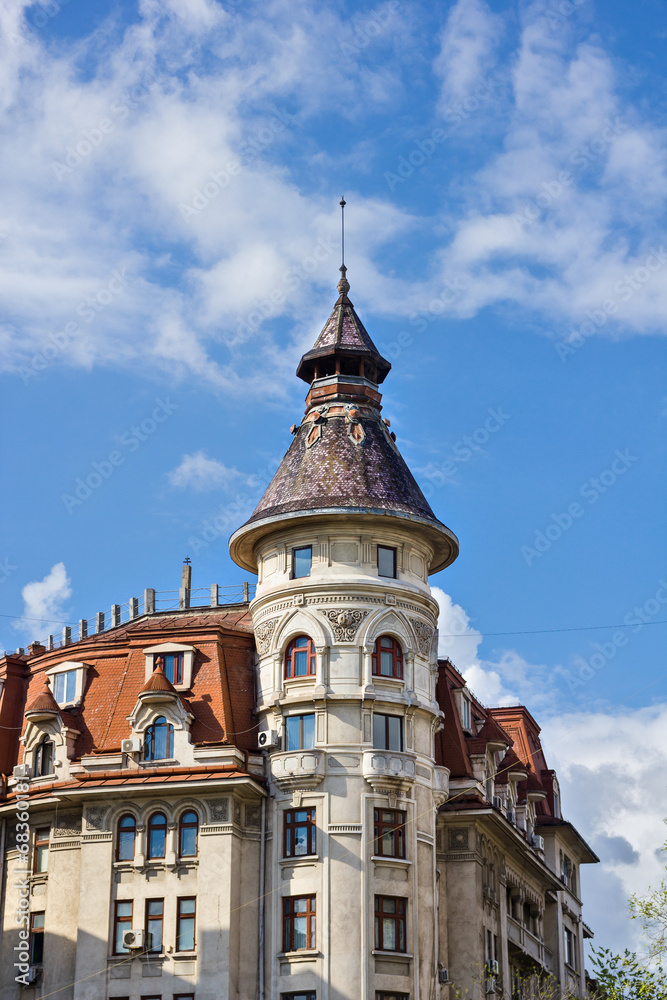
x=159, y=740
x=157, y=835
x=300, y=657
x=44, y=758
x=388, y=658
x=127, y=832
x=188, y=828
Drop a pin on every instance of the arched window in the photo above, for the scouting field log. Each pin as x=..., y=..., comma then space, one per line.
x=160, y=740
x=44, y=758
x=187, y=834
x=388, y=658
x=127, y=831
x=300, y=657
x=157, y=835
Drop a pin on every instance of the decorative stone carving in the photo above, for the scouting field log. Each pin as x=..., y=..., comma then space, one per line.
x=424, y=635
x=67, y=825
x=459, y=839
x=252, y=817
x=345, y=623
x=219, y=810
x=264, y=633
x=237, y=813
x=95, y=817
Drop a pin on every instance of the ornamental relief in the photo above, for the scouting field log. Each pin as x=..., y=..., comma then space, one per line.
x=264, y=633
x=424, y=635
x=345, y=623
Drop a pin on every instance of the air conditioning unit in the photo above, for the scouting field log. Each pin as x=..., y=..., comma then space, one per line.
x=21, y=771
x=131, y=746
x=538, y=842
x=269, y=738
x=493, y=967
x=497, y=801
x=443, y=975
x=511, y=814
x=491, y=989
x=34, y=975
x=133, y=940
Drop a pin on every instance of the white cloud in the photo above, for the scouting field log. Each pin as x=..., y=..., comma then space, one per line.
x=611, y=768
x=467, y=49
x=200, y=473
x=44, y=601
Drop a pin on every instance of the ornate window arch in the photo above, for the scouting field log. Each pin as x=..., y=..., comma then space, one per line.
x=126, y=836
x=159, y=740
x=300, y=658
x=188, y=834
x=388, y=657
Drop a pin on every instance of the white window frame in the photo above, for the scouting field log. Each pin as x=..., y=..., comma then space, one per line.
x=172, y=647
x=81, y=670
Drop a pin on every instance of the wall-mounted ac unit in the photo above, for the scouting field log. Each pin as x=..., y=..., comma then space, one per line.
x=21, y=771
x=491, y=988
x=443, y=975
x=511, y=815
x=34, y=976
x=538, y=842
x=131, y=746
x=493, y=967
x=269, y=738
x=497, y=801
x=133, y=940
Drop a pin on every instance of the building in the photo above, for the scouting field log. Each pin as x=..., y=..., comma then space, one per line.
x=289, y=797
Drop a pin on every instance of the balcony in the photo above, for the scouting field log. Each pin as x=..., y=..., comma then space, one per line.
x=522, y=941
x=298, y=768
x=389, y=770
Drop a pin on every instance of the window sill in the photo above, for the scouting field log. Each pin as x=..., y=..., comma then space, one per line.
x=392, y=954
x=163, y=762
x=385, y=859
x=302, y=681
x=305, y=859
x=303, y=955
x=184, y=956
x=394, y=681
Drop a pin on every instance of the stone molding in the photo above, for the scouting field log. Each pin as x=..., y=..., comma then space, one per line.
x=345, y=623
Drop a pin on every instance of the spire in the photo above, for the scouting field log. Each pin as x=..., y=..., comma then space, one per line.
x=343, y=284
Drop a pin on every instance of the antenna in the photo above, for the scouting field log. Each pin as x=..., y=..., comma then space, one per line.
x=343, y=203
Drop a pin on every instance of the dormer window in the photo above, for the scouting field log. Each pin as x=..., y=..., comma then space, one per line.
x=466, y=721
x=159, y=743
x=177, y=661
x=67, y=681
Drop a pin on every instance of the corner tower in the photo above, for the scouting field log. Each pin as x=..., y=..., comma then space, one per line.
x=343, y=542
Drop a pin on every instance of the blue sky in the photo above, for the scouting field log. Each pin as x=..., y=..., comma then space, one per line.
x=169, y=244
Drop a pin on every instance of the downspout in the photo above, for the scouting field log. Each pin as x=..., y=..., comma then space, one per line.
x=262, y=866
x=3, y=833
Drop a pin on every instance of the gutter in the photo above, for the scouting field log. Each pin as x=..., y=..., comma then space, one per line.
x=261, y=908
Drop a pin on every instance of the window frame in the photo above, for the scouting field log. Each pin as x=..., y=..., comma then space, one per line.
x=396, y=828
x=45, y=742
x=150, y=827
x=39, y=844
x=154, y=918
x=121, y=924
x=386, y=717
x=301, y=548
x=181, y=918
x=37, y=934
x=289, y=916
x=391, y=995
x=299, y=995
x=290, y=828
x=119, y=832
x=183, y=825
x=160, y=659
x=570, y=951
x=301, y=717
x=399, y=919
x=396, y=656
x=150, y=739
x=290, y=658
x=392, y=549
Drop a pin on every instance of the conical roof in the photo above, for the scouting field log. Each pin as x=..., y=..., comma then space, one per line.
x=158, y=681
x=43, y=703
x=343, y=458
x=343, y=337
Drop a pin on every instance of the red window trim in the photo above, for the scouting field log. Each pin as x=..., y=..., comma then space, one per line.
x=397, y=824
x=397, y=657
x=309, y=822
x=126, y=921
x=182, y=825
x=290, y=659
x=186, y=916
x=288, y=922
x=399, y=919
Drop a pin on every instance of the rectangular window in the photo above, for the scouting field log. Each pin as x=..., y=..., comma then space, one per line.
x=390, y=923
x=298, y=832
x=154, y=921
x=172, y=664
x=36, y=938
x=40, y=861
x=184, y=996
x=300, y=732
x=570, y=954
x=310, y=995
x=391, y=996
x=387, y=732
x=465, y=713
x=64, y=687
x=301, y=561
x=122, y=923
x=185, y=923
x=298, y=923
x=386, y=561
x=389, y=833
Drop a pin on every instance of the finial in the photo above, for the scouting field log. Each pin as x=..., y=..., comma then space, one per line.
x=186, y=561
x=343, y=284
